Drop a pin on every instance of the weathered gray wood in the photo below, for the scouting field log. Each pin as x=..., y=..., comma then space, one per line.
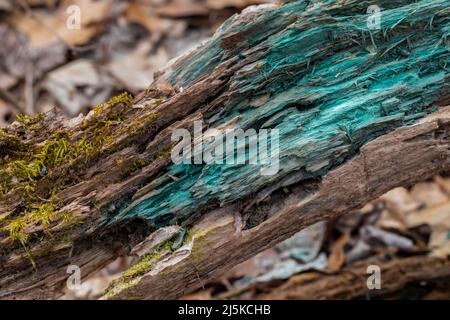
x=401, y=158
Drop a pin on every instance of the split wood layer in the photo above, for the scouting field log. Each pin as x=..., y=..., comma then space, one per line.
x=345, y=99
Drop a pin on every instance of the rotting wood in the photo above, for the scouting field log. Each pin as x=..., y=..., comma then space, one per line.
x=221, y=241
x=351, y=105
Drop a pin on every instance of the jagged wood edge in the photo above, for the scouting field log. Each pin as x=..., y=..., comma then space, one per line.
x=408, y=155
x=179, y=111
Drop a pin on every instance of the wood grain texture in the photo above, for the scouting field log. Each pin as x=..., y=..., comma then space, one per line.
x=407, y=155
x=346, y=100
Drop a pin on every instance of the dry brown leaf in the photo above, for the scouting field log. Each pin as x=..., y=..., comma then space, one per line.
x=392, y=220
x=44, y=28
x=48, y=3
x=429, y=194
x=400, y=201
x=440, y=242
x=444, y=184
x=77, y=85
x=145, y=15
x=135, y=70
x=222, y=4
x=92, y=11
x=26, y=58
x=438, y=218
x=183, y=8
x=337, y=255
x=7, y=81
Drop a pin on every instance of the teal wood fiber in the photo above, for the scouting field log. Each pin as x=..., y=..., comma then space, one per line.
x=331, y=85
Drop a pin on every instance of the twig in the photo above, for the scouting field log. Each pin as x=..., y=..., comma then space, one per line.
x=28, y=89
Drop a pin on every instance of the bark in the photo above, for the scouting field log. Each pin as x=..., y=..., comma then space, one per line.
x=359, y=112
x=221, y=241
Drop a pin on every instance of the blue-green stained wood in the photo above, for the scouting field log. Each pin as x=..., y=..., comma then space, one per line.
x=331, y=85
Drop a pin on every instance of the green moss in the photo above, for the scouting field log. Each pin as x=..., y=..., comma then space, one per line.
x=119, y=160
x=105, y=117
x=124, y=97
x=43, y=214
x=188, y=237
x=129, y=277
x=26, y=173
x=142, y=267
x=25, y=170
x=29, y=120
x=131, y=166
x=201, y=234
x=140, y=163
x=167, y=246
x=56, y=150
x=142, y=125
x=159, y=101
x=145, y=264
x=153, y=92
x=17, y=230
x=163, y=153
x=11, y=147
x=31, y=167
x=23, y=166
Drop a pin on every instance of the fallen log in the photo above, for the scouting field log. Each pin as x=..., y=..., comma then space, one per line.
x=359, y=111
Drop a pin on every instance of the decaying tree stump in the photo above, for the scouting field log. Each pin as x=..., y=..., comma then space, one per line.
x=359, y=112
